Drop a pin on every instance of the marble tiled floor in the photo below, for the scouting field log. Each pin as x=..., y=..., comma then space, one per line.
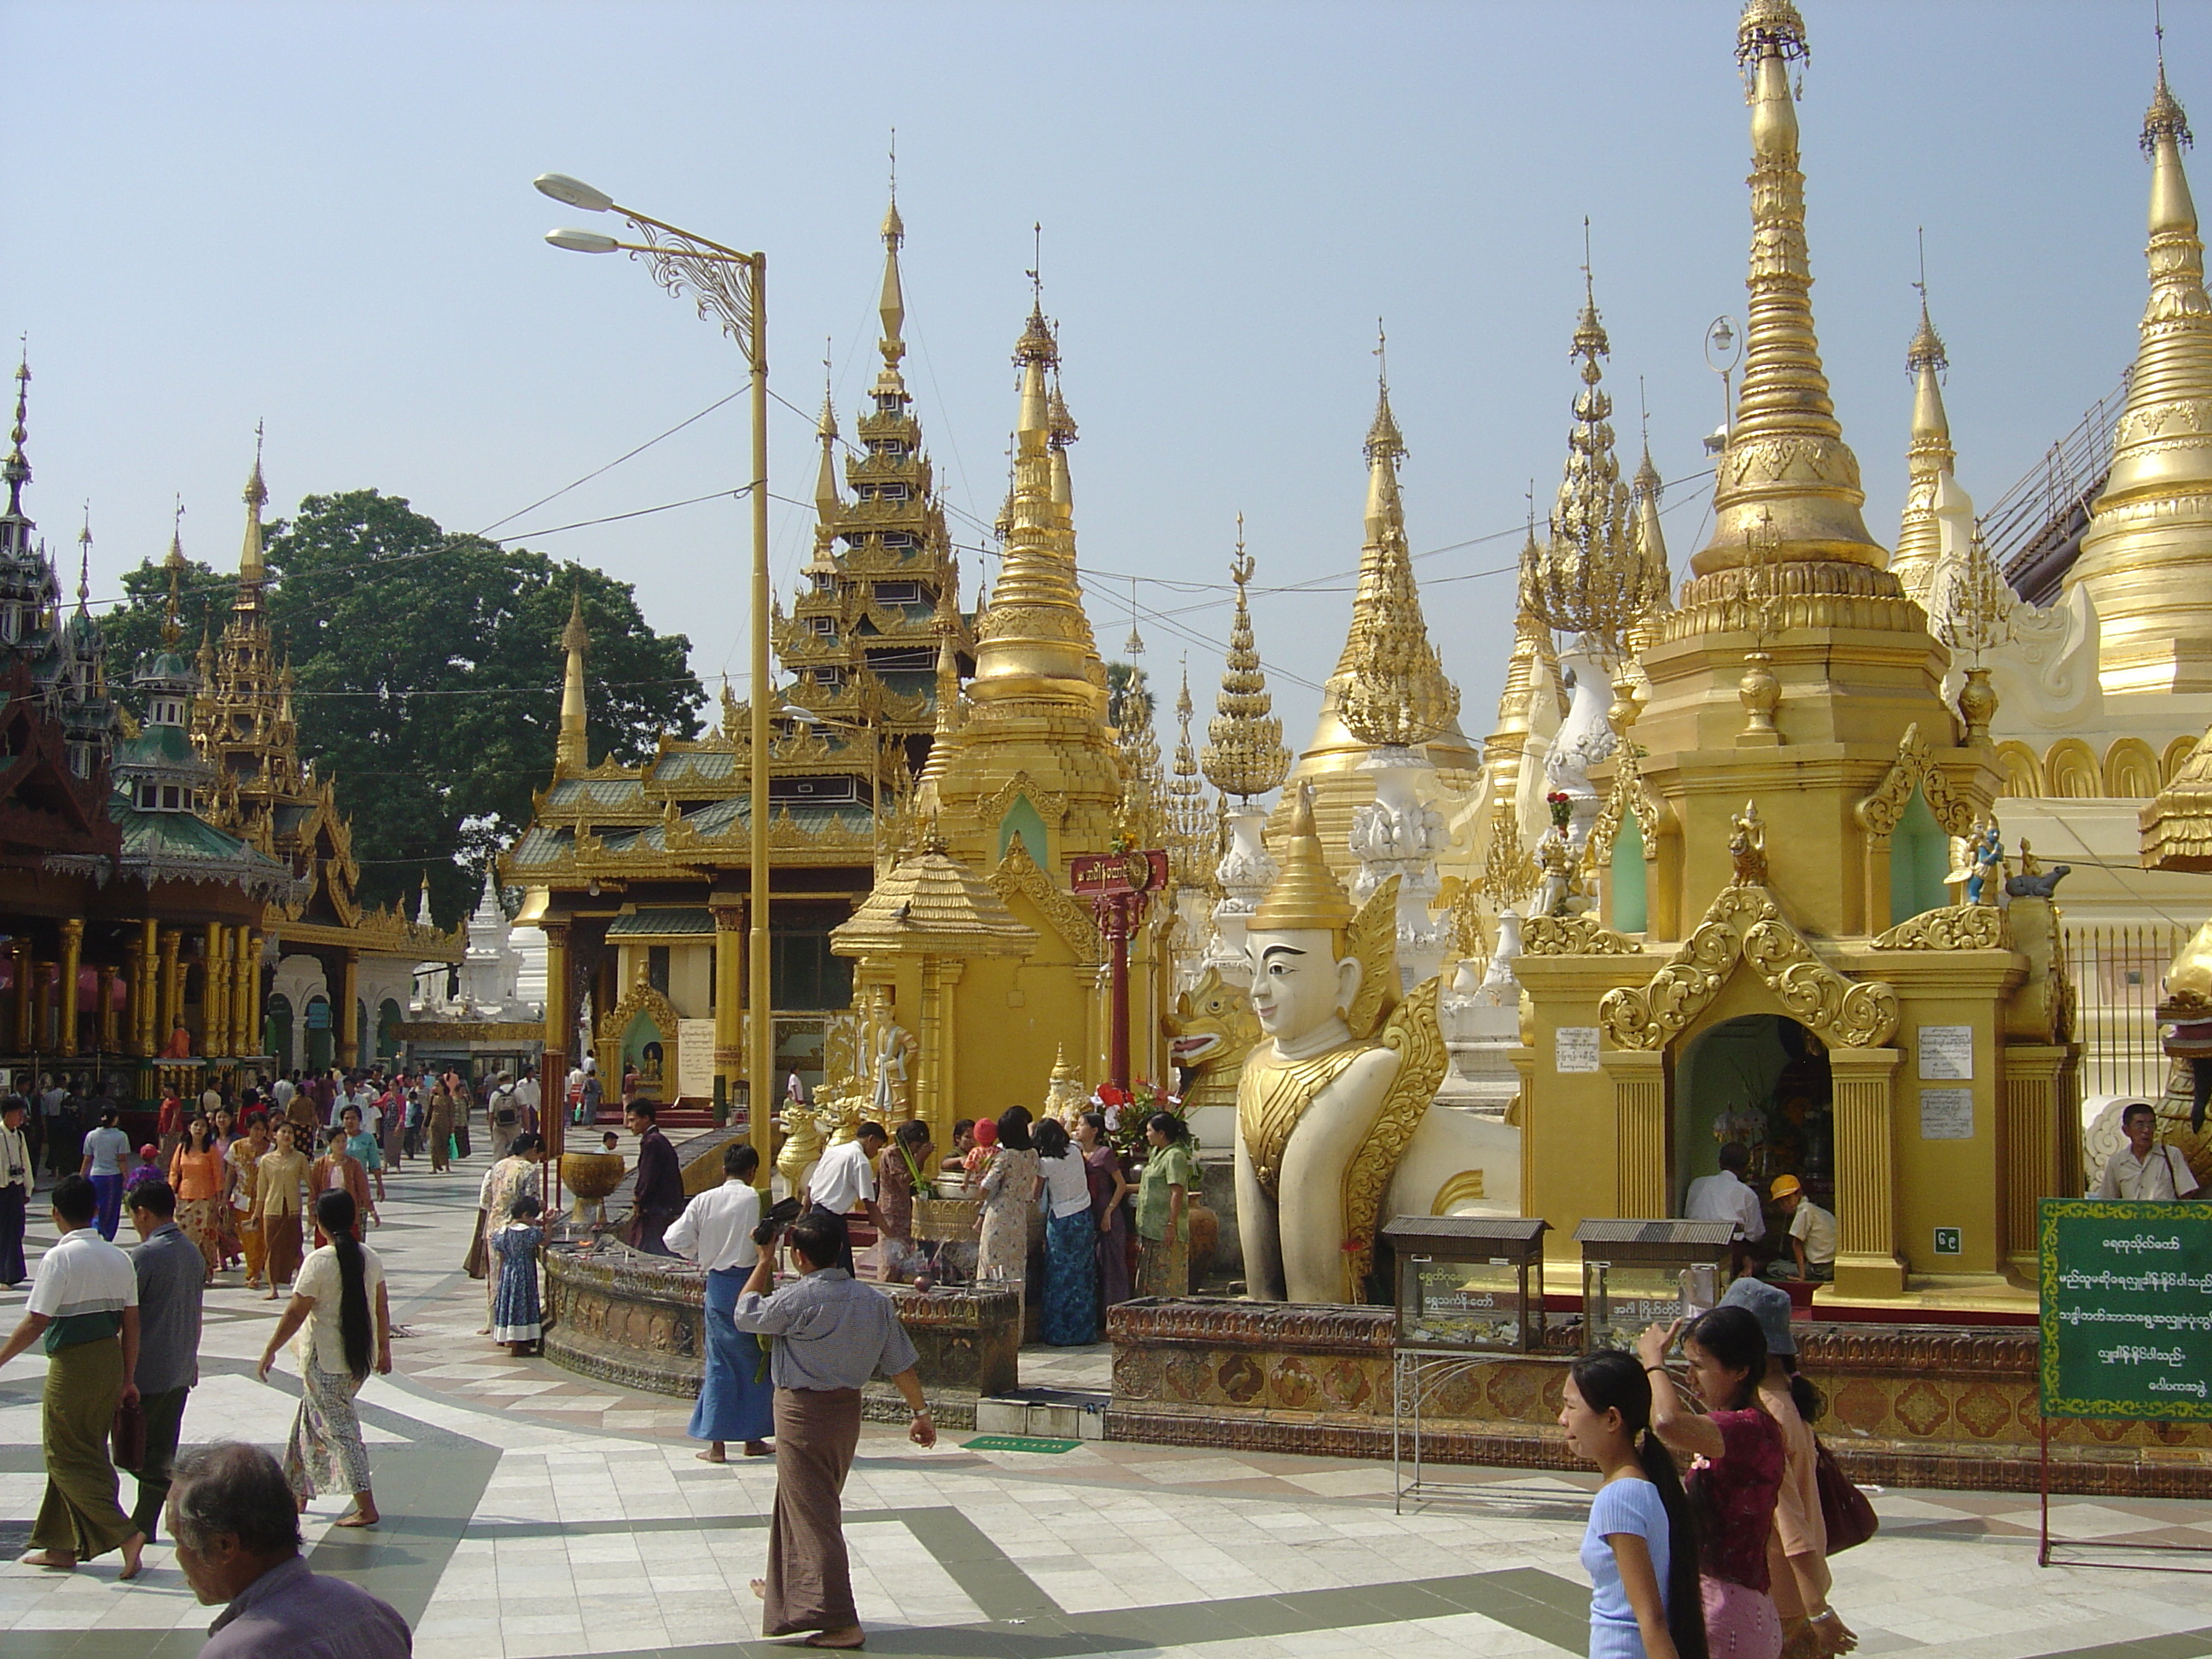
x=530, y=1512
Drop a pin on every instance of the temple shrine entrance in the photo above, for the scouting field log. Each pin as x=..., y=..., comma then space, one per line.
x=1764, y=1080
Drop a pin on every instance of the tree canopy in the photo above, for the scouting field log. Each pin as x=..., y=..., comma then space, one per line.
x=429, y=672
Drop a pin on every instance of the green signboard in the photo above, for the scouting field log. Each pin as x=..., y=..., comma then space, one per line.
x=2127, y=1310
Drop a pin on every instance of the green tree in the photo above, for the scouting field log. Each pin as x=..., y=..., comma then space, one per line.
x=428, y=670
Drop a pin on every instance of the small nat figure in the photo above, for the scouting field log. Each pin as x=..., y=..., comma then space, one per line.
x=516, y=1316
x=1987, y=880
x=1747, y=845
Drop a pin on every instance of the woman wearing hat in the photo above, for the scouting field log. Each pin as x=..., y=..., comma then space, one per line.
x=1797, y=1544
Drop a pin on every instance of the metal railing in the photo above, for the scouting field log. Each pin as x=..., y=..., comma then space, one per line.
x=2031, y=530
x=2119, y=971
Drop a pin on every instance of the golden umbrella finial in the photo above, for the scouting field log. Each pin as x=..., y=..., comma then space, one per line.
x=1304, y=895
x=1244, y=752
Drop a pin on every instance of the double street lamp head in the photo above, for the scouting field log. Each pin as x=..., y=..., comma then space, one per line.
x=573, y=193
x=582, y=242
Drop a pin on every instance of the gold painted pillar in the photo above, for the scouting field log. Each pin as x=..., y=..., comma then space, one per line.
x=935, y=1088
x=1867, y=1259
x=146, y=991
x=246, y=988
x=1640, y=1187
x=348, y=1031
x=72, y=957
x=172, y=990
x=45, y=1009
x=730, y=1005
x=24, y=996
x=560, y=1031
x=215, y=991
x=104, y=1019
x=2039, y=1138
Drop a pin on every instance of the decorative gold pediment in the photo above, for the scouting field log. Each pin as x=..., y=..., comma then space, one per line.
x=1573, y=936
x=1051, y=804
x=1914, y=767
x=1630, y=794
x=1017, y=872
x=642, y=999
x=1745, y=924
x=1950, y=927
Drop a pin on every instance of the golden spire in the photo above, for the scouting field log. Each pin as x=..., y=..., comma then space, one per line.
x=1035, y=643
x=1395, y=693
x=172, y=627
x=1658, y=582
x=572, y=748
x=1244, y=752
x=1304, y=895
x=16, y=469
x=1786, y=458
x=252, y=571
x=1589, y=578
x=1927, y=459
x=2146, y=555
x=829, y=505
x=891, y=306
x=1189, y=823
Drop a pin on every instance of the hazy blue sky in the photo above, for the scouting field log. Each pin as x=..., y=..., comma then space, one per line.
x=321, y=215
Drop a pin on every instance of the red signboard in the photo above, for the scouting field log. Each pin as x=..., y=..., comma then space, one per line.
x=1103, y=873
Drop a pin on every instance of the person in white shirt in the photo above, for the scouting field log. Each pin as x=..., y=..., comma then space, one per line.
x=1724, y=1197
x=1813, y=1232
x=737, y=1401
x=83, y=1311
x=15, y=1177
x=2142, y=1168
x=845, y=1179
x=528, y=1100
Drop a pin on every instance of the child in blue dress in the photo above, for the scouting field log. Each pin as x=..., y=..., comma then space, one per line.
x=516, y=1316
x=1640, y=1548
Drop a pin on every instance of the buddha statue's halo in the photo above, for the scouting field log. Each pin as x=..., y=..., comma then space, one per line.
x=1304, y=895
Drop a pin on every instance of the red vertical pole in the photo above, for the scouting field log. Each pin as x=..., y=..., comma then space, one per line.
x=1117, y=908
x=2043, y=1549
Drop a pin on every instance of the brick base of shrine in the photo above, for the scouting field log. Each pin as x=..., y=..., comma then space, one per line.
x=1918, y=1405
x=638, y=1322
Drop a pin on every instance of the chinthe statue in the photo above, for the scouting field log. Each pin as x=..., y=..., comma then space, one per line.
x=1340, y=1080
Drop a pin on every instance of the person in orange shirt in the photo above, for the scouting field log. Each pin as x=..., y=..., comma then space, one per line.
x=202, y=1183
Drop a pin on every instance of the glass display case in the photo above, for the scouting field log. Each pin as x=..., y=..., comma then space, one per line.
x=1637, y=1273
x=1469, y=1284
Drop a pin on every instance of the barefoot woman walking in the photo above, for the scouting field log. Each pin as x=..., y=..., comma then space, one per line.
x=339, y=1298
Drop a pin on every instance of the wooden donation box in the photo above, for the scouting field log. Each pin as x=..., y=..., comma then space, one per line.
x=1469, y=1284
x=1649, y=1273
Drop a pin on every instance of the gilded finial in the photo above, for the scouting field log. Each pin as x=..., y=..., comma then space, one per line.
x=1926, y=350
x=2164, y=119
x=1384, y=436
x=1304, y=895
x=572, y=747
x=829, y=505
x=84, y=565
x=1244, y=751
x=1647, y=485
x=173, y=627
x=1134, y=644
x=891, y=306
x=1189, y=821
x=1393, y=690
x=17, y=467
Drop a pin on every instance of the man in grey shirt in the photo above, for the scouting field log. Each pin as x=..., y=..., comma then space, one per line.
x=238, y=1545
x=832, y=1334
x=172, y=1276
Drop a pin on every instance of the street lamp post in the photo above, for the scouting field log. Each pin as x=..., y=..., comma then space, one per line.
x=732, y=289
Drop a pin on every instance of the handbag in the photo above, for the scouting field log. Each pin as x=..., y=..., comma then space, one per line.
x=129, y=1436
x=478, y=1262
x=1848, y=1518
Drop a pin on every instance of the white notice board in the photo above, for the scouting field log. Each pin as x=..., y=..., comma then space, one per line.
x=695, y=1059
x=1946, y=1052
x=1574, y=1048
x=1947, y=1114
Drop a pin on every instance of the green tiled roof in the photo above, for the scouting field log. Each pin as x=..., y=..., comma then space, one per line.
x=158, y=845
x=599, y=792
x=674, y=921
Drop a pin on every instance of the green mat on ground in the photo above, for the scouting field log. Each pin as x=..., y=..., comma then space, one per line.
x=1018, y=1442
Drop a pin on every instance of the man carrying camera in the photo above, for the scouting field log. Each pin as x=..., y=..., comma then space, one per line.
x=832, y=1333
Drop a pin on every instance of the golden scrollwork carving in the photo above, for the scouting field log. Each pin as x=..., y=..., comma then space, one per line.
x=1914, y=767
x=1629, y=796
x=1372, y=941
x=1745, y=925
x=1572, y=936
x=1412, y=1031
x=1017, y=872
x=1950, y=927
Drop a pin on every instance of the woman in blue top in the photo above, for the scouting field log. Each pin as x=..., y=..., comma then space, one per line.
x=1640, y=1549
